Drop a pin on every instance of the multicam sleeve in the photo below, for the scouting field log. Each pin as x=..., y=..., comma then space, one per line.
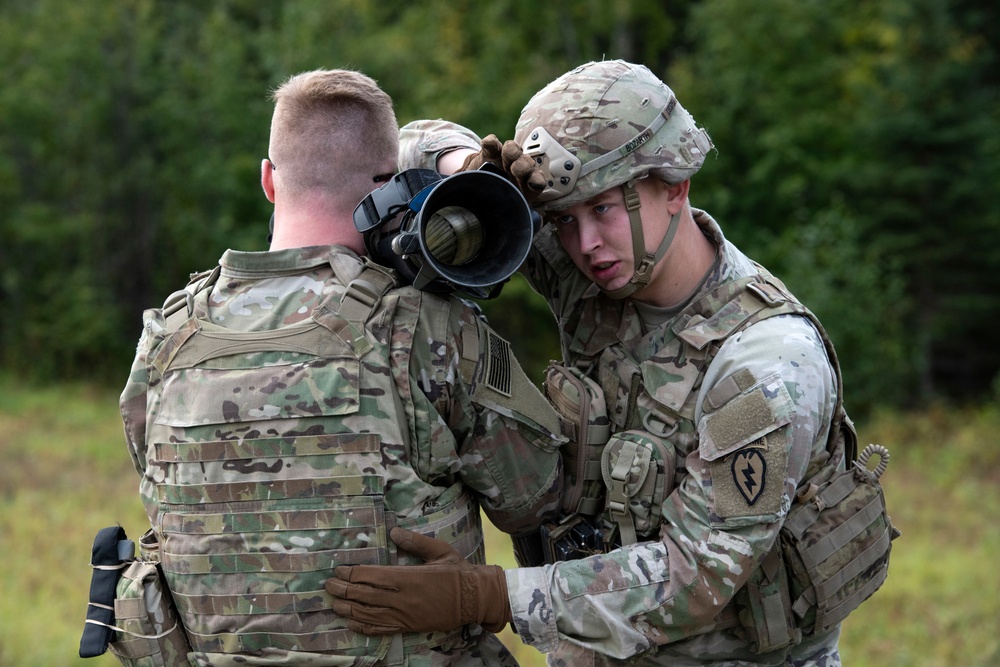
x=513, y=449
x=422, y=142
x=635, y=597
x=717, y=525
x=509, y=458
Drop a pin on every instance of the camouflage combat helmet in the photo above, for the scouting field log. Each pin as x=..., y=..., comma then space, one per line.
x=604, y=125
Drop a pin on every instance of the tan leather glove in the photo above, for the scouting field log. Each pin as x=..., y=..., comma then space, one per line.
x=521, y=169
x=444, y=594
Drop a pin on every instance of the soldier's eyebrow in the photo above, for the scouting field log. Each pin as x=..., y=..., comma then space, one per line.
x=601, y=197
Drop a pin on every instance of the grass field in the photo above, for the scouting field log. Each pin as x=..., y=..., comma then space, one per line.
x=65, y=474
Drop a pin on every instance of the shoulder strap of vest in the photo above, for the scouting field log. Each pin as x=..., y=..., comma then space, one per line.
x=779, y=301
x=700, y=333
x=360, y=300
x=752, y=300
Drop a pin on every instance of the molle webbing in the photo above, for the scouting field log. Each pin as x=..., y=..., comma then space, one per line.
x=267, y=470
x=228, y=642
x=840, y=574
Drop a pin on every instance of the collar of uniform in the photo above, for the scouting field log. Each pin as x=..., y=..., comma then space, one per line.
x=546, y=243
x=723, y=267
x=252, y=265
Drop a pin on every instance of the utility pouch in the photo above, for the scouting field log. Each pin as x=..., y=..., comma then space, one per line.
x=148, y=631
x=638, y=469
x=583, y=415
x=836, y=543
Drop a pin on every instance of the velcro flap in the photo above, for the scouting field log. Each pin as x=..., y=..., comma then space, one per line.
x=747, y=417
x=130, y=608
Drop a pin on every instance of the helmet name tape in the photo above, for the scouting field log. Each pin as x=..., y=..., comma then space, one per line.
x=635, y=142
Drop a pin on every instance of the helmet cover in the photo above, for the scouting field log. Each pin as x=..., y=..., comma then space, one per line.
x=604, y=124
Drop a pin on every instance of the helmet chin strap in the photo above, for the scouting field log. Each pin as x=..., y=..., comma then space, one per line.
x=644, y=261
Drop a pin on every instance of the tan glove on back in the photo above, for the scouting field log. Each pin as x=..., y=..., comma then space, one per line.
x=444, y=594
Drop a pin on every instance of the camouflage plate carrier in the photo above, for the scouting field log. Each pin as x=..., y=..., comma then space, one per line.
x=622, y=463
x=265, y=471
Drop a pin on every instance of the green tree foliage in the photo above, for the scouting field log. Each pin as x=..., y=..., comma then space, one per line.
x=126, y=139
x=929, y=112
x=857, y=153
x=857, y=158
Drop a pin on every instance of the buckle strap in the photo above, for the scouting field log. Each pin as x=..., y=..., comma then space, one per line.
x=618, y=496
x=360, y=300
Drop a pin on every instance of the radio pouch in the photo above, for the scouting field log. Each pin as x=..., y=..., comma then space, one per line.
x=834, y=554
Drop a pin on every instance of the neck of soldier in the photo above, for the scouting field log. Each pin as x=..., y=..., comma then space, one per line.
x=682, y=269
x=313, y=221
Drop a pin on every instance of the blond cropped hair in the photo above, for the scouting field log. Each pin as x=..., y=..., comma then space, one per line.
x=332, y=131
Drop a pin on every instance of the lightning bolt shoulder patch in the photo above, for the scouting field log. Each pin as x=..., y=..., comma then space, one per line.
x=750, y=481
x=743, y=442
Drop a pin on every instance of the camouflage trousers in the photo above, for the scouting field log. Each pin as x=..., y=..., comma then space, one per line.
x=719, y=649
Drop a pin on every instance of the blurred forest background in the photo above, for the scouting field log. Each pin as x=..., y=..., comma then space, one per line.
x=858, y=153
x=858, y=158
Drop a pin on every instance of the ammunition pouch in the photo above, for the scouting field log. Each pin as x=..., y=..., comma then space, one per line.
x=583, y=420
x=628, y=475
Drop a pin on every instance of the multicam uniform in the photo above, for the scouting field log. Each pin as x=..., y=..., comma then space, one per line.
x=265, y=464
x=747, y=424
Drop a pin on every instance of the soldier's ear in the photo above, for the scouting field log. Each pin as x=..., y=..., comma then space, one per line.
x=267, y=179
x=678, y=192
x=675, y=194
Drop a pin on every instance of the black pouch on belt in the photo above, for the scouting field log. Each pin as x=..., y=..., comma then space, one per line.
x=111, y=554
